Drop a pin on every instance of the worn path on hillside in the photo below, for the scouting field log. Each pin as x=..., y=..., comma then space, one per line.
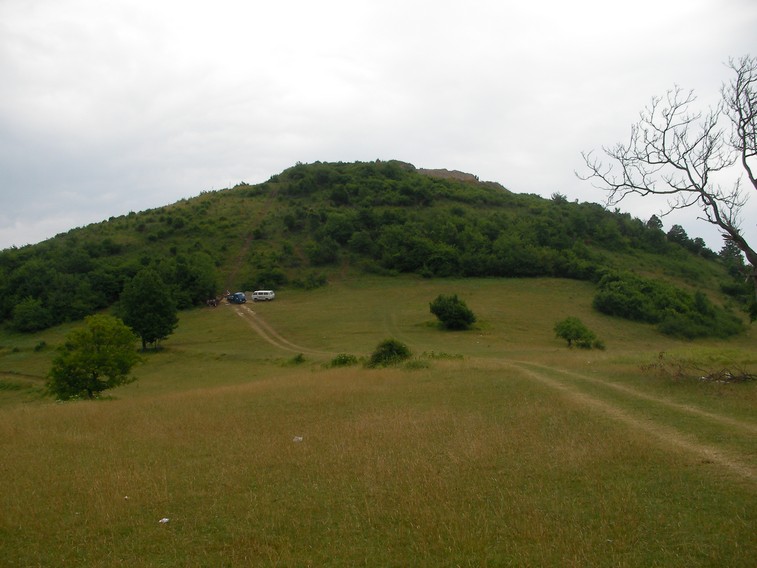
x=245, y=248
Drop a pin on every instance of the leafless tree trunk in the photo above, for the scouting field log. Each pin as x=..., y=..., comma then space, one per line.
x=675, y=152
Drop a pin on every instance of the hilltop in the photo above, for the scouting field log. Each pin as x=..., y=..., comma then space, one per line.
x=316, y=222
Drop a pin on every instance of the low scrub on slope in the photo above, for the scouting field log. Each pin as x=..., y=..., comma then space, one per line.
x=675, y=311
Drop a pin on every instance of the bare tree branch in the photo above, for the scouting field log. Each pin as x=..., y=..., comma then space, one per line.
x=675, y=151
x=740, y=99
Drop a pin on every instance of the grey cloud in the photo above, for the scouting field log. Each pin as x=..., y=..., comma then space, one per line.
x=123, y=106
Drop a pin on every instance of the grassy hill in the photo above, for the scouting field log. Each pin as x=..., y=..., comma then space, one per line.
x=495, y=446
x=317, y=222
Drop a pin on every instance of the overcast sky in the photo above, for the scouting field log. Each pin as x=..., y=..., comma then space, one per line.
x=118, y=106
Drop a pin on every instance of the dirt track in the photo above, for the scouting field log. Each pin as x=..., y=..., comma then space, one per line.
x=665, y=435
x=270, y=335
x=746, y=427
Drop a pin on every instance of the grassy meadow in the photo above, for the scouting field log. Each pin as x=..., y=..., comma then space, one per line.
x=497, y=446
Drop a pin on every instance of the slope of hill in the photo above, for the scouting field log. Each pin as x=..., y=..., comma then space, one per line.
x=317, y=221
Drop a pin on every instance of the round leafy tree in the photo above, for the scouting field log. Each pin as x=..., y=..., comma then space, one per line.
x=147, y=305
x=452, y=312
x=573, y=330
x=94, y=358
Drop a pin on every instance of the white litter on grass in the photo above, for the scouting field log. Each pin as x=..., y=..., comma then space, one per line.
x=297, y=439
x=164, y=520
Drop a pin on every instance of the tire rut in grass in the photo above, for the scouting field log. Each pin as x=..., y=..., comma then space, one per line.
x=666, y=435
x=270, y=335
x=729, y=421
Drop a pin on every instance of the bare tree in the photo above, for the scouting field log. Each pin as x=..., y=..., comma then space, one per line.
x=678, y=152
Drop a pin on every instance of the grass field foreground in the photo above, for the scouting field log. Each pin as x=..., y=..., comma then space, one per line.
x=514, y=451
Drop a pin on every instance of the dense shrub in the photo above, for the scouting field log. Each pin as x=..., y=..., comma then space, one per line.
x=344, y=360
x=298, y=359
x=310, y=281
x=704, y=321
x=676, y=312
x=30, y=315
x=389, y=352
x=266, y=279
x=452, y=312
x=322, y=252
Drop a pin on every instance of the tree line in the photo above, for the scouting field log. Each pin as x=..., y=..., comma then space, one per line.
x=53, y=283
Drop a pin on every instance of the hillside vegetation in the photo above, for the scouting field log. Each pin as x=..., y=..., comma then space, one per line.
x=318, y=221
x=343, y=425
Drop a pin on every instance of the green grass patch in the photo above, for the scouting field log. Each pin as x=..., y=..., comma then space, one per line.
x=497, y=446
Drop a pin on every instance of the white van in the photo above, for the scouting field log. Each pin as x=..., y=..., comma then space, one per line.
x=263, y=295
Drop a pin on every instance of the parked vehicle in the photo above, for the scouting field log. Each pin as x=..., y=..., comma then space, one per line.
x=237, y=298
x=263, y=295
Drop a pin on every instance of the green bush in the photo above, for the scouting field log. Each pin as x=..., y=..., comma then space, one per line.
x=676, y=312
x=310, y=281
x=692, y=325
x=573, y=330
x=30, y=315
x=298, y=359
x=344, y=360
x=452, y=312
x=389, y=352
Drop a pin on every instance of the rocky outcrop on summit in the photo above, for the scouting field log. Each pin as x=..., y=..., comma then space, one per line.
x=448, y=174
x=459, y=176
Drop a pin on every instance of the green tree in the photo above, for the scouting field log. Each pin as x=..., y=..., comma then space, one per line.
x=739, y=287
x=70, y=297
x=94, y=358
x=452, y=312
x=654, y=223
x=573, y=330
x=322, y=252
x=148, y=307
x=30, y=315
x=193, y=278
